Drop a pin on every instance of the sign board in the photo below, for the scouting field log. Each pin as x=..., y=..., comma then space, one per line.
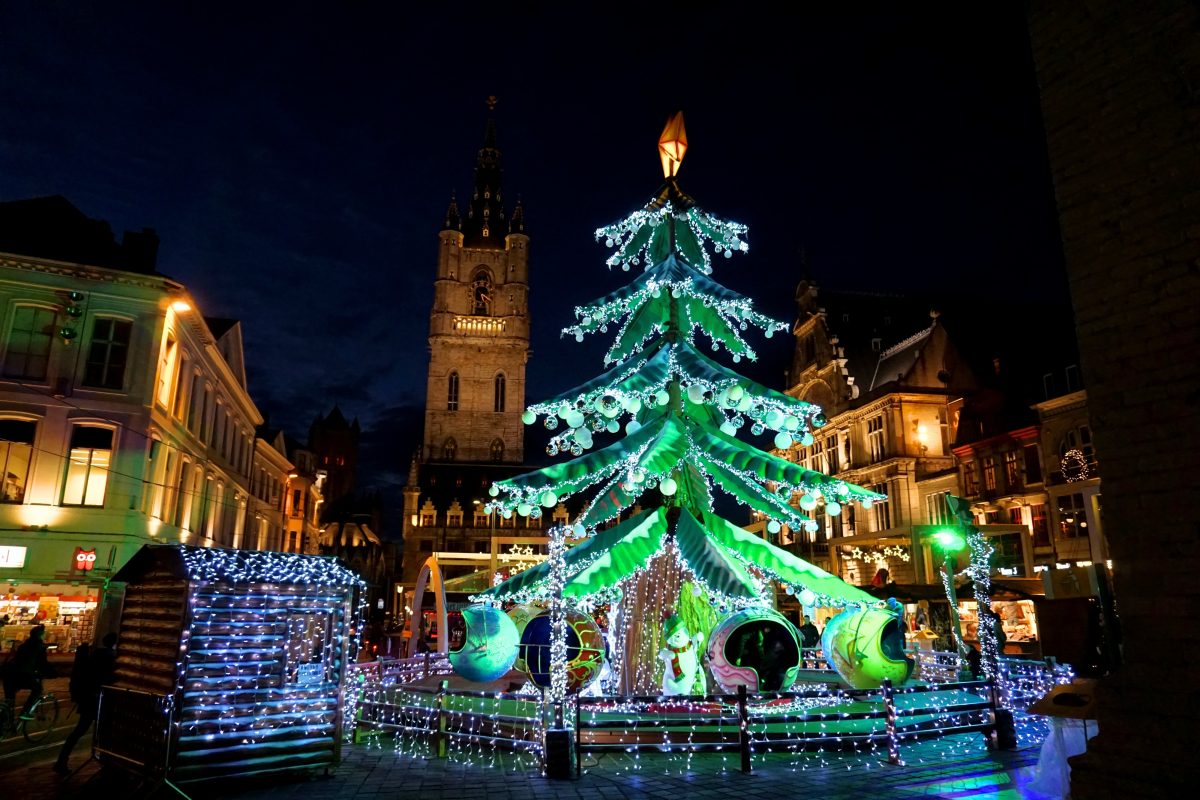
x=11, y=556
x=307, y=674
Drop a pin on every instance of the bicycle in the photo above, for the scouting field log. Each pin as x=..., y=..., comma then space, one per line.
x=42, y=717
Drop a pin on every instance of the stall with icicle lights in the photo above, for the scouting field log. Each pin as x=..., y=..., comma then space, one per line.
x=230, y=662
x=651, y=593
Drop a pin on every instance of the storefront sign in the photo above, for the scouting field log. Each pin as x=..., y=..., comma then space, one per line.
x=11, y=556
x=85, y=559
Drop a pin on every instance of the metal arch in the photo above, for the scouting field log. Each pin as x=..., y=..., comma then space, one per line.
x=429, y=570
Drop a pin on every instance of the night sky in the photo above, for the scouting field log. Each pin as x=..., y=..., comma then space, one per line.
x=296, y=161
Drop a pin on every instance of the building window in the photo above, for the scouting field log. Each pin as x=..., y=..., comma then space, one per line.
x=481, y=292
x=108, y=353
x=449, y=449
x=989, y=473
x=481, y=519
x=1033, y=464
x=882, y=509
x=1014, y=516
x=936, y=509
x=831, y=455
x=29, y=340
x=875, y=438
x=166, y=370
x=87, y=466
x=499, y=405
x=1039, y=525
x=497, y=450
x=16, y=454
x=1079, y=439
x=1072, y=522
x=970, y=479
x=818, y=456
x=1012, y=470
x=452, y=392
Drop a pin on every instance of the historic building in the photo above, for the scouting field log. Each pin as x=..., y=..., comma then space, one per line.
x=886, y=373
x=475, y=395
x=124, y=419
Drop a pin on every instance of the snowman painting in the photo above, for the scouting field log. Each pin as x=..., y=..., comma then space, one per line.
x=681, y=659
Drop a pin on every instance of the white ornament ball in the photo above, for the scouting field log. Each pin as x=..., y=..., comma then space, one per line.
x=808, y=502
x=867, y=503
x=736, y=392
x=613, y=426
x=773, y=526
x=564, y=409
x=783, y=440
x=523, y=509
x=832, y=508
x=549, y=499
x=584, y=437
x=494, y=490
x=695, y=393
x=790, y=589
x=806, y=439
x=633, y=427
x=579, y=337
x=808, y=597
x=668, y=487
x=529, y=418
x=728, y=429
x=662, y=398
x=791, y=423
x=574, y=419
x=774, y=418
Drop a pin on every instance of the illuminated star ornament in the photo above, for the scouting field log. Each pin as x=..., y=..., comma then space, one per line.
x=672, y=145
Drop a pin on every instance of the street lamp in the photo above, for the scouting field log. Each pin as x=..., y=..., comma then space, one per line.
x=949, y=539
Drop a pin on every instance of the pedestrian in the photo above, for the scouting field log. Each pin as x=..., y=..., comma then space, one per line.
x=808, y=633
x=100, y=665
x=27, y=668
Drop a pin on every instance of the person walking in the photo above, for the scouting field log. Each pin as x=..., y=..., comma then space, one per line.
x=27, y=668
x=100, y=665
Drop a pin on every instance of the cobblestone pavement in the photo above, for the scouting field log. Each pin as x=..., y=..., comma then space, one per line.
x=955, y=767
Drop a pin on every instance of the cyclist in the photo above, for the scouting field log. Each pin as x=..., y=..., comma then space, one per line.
x=26, y=669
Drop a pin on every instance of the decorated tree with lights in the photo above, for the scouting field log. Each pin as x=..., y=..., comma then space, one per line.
x=677, y=417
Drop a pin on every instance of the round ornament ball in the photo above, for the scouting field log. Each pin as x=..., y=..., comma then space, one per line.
x=808, y=502
x=773, y=526
x=585, y=650
x=808, y=598
x=757, y=648
x=668, y=486
x=549, y=499
x=520, y=616
x=529, y=418
x=489, y=647
x=783, y=440
x=695, y=393
x=806, y=439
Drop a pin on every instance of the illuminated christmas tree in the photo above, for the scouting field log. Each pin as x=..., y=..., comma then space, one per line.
x=677, y=415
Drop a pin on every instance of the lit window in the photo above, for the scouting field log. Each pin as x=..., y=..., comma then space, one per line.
x=452, y=392
x=108, y=352
x=875, y=440
x=989, y=473
x=16, y=452
x=87, y=466
x=166, y=369
x=29, y=340
x=449, y=449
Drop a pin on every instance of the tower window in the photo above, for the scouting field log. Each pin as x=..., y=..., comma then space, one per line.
x=497, y=450
x=449, y=449
x=452, y=392
x=500, y=386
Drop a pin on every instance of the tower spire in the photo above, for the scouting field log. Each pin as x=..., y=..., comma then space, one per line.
x=486, y=225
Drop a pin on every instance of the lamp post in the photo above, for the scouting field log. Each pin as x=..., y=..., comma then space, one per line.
x=950, y=540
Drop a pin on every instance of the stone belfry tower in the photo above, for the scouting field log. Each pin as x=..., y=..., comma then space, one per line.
x=479, y=325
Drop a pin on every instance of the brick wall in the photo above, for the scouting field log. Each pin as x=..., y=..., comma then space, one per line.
x=1120, y=86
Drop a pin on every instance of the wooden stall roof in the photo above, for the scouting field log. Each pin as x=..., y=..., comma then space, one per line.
x=236, y=566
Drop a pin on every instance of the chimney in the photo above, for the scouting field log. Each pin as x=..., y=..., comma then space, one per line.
x=140, y=250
